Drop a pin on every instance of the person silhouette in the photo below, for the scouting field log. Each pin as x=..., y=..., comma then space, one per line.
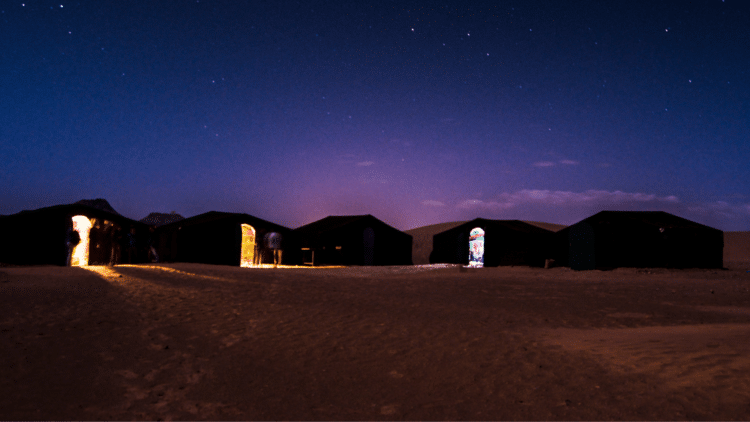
x=153, y=255
x=72, y=239
x=116, y=246
x=273, y=242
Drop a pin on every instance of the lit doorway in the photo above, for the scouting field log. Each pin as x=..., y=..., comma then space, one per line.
x=247, y=253
x=476, y=248
x=80, y=255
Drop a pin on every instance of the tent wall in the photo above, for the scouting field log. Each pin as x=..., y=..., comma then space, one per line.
x=38, y=237
x=646, y=239
x=29, y=240
x=506, y=242
x=216, y=238
x=354, y=240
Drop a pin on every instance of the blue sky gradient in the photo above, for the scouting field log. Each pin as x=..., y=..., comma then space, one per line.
x=412, y=112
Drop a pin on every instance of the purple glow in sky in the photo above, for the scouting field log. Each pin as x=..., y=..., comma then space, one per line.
x=414, y=112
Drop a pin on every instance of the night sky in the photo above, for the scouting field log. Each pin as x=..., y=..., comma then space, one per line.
x=414, y=112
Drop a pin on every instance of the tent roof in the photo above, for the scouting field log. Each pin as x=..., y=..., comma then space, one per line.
x=652, y=218
x=76, y=208
x=514, y=225
x=213, y=216
x=335, y=222
x=334, y=226
x=329, y=223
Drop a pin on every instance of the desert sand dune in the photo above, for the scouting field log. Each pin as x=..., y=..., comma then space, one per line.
x=737, y=249
x=192, y=341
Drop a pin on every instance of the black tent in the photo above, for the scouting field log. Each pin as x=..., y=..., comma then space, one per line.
x=217, y=238
x=654, y=239
x=41, y=237
x=353, y=240
x=506, y=242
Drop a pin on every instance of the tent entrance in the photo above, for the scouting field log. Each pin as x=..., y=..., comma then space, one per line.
x=247, y=254
x=80, y=254
x=476, y=247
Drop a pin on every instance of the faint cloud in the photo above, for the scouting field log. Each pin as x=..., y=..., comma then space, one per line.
x=721, y=208
x=598, y=198
x=552, y=164
x=471, y=204
x=398, y=141
x=431, y=203
x=365, y=163
x=347, y=159
x=720, y=214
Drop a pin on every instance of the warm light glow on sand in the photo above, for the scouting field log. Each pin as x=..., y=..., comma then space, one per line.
x=294, y=266
x=265, y=266
x=111, y=274
x=175, y=271
x=103, y=270
x=80, y=255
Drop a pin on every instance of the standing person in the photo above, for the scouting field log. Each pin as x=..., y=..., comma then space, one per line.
x=258, y=256
x=154, y=257
x=114, y=259
x=72, y=239
x=273, y=242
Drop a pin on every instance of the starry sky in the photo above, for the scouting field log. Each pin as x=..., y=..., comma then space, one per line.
x=415, y=112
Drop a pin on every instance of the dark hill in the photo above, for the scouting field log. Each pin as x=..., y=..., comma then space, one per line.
x=159, y=219
x=99, y=203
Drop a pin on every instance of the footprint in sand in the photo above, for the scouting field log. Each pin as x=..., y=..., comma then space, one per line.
x=231, y=340
x=128, y=374
x=388, y=410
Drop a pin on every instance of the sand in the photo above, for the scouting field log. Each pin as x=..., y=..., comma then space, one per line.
x=199, y=342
